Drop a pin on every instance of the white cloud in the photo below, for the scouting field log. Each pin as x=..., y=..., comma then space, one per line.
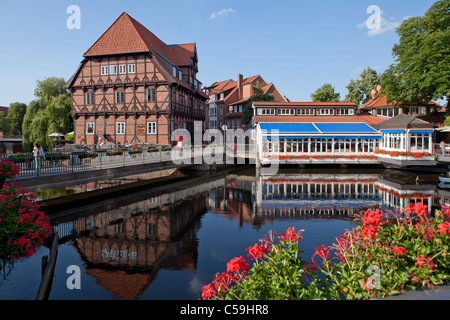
x=223, y=12
x=384, y=25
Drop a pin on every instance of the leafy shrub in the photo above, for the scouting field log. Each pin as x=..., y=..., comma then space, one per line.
x=387, y=254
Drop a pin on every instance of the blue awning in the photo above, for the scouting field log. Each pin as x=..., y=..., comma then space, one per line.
x=393, y=131
x=289, y=127
x=370, y=137
x=422, y=131
x=344, y=128
x=275, y=137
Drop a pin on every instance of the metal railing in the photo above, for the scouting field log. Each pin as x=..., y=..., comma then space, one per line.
x=75, y=161
x=441, y=149
x=59, y=162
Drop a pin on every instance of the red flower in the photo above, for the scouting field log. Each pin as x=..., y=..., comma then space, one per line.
x=424, y=261
x=208, y=291
x=322, y=252
x=290, y=235
x=399, y=250
x=311, y=266
x=222, y=281
x=444, y=227
x=255, y=252
x=365, y=285
x=237, y=264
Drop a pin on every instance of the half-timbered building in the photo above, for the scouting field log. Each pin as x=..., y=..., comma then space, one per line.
x=131, y=87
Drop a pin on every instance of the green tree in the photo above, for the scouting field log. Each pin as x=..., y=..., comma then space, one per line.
x=258, y=95
x=359, y=91
x=326, y=93
x=48, y=114
x=421, y=70
x=15, y=116
x=4, y=125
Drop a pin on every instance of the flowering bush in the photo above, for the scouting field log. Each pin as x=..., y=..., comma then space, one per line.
x=86, y=155
x=415, y=155
x=7, y=170
x=135, y=150
x=386, y=254
x=23, y=226
x=322, y=156
x=116, y=152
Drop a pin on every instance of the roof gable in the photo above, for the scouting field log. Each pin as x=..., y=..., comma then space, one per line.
x=125, y=35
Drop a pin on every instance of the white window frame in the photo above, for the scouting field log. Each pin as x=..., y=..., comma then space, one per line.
x=122, y=69
x=325, y=112
x=132, y=68
x=113, y=69
x=120, y=127
x=89, y=97
x=119, y=96
x=152, y=127
x=104, y=70
x=90, y=125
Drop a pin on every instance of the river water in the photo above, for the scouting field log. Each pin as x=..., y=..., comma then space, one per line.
x=166, y=246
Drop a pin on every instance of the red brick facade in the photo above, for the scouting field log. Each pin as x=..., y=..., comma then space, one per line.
x=132, y=87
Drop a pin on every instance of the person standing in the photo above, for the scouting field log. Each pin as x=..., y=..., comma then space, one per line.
x=38, y=154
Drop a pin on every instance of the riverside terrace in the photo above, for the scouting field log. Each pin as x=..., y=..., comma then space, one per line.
x=330, y=132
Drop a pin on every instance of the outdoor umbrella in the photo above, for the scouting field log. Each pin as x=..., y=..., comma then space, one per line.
x=443, y=129
x=56, y=134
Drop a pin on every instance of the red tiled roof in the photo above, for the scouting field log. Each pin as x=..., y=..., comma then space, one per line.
x=126, y=35
x=179, y=54
x=226, y=85
x=303, y=104
x=382, y=102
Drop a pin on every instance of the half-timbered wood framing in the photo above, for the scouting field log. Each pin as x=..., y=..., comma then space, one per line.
x=132, y=87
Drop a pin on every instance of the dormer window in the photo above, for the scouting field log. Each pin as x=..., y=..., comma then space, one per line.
x=180, y=75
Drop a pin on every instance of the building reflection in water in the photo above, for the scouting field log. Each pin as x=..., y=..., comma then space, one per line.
x=125, y=247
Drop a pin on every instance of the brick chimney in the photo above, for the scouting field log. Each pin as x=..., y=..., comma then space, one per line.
x=240, y=80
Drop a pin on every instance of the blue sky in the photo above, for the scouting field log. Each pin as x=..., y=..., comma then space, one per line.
x=298, y=45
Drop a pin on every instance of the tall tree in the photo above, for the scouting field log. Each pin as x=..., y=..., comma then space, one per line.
x=326, y=93
x=359, y=91
x=258, y=95
x=48, y=114
x=15, y=116
x=421, y=70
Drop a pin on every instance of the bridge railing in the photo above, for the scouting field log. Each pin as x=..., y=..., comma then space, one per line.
x=68, y=162
x=441, y=149
x=82, y=160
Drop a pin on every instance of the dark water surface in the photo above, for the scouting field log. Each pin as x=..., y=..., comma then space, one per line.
x=167, y=246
